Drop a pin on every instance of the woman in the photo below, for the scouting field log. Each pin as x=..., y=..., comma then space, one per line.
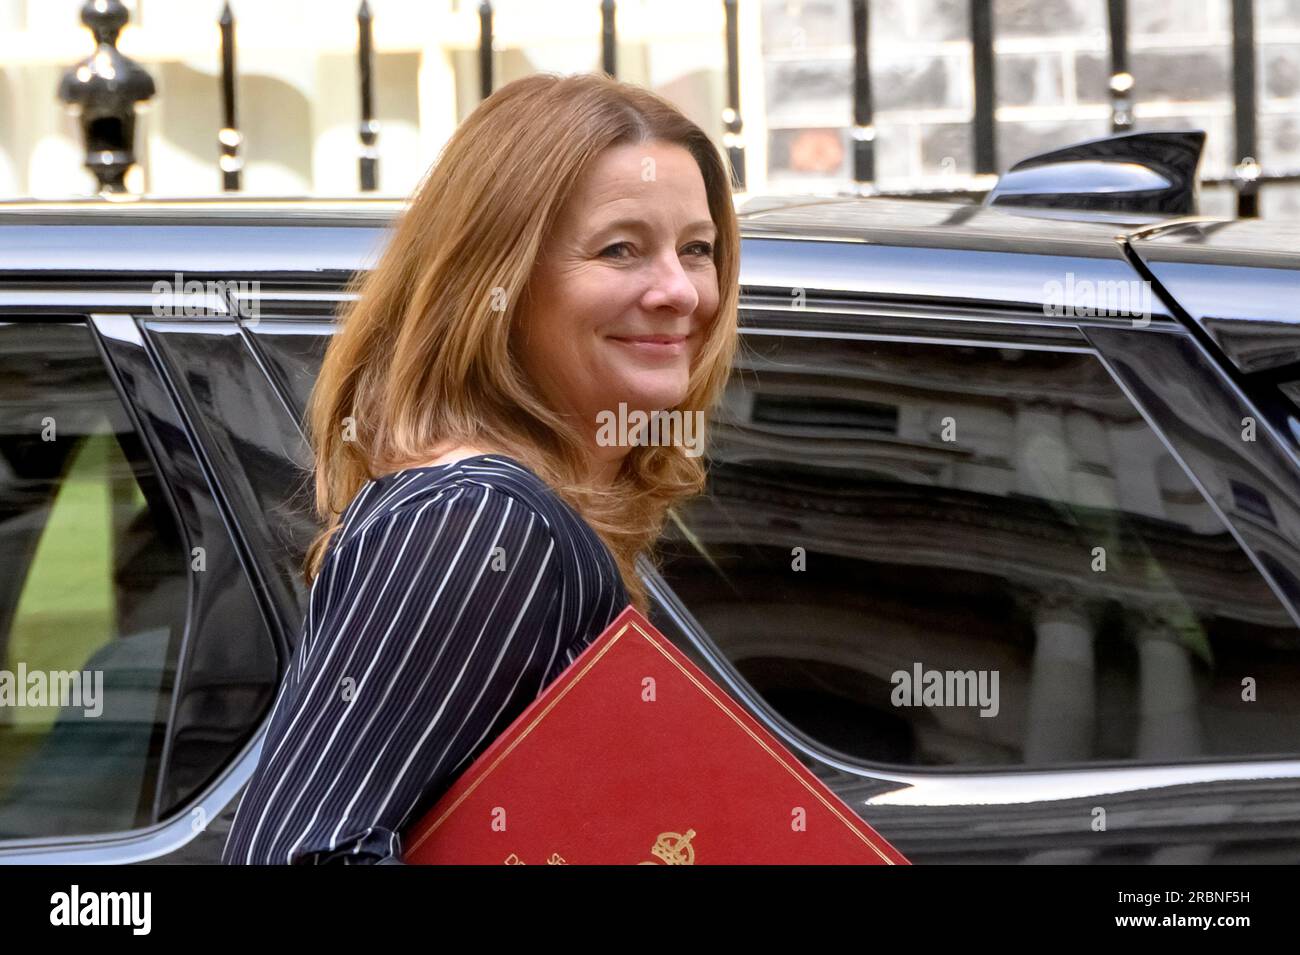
x=571, y=258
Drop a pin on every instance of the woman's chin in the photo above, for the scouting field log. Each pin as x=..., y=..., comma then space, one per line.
x=652, y=393
x=649, y=402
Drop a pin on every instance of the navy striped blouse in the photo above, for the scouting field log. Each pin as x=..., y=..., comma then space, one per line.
x=451, y=596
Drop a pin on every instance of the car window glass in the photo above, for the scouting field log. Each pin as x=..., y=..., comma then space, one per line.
x=947, y=555
x=294, y=352
x=92, y=599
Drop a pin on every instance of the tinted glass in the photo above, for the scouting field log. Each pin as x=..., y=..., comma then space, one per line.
x=294, y=352
x=940, y=555
x=92, y=594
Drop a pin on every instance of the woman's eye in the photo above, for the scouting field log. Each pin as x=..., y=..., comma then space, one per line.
x=704, y=248
x=616, y=245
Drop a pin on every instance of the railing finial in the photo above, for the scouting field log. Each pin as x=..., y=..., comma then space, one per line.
x=104, y=88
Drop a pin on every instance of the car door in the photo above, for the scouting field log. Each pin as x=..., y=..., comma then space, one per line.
x=945, y=488
x=124, y=587
x=1075, y=531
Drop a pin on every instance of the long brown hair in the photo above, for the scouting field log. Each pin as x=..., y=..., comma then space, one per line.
x=423, y=354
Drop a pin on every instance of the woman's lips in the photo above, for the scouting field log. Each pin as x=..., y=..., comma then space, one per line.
x=654, y=345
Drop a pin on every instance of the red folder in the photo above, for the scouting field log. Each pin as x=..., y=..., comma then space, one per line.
x=633, y=756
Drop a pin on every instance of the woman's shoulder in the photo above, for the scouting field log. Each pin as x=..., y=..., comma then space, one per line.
x=468, y=479
x=584, y=558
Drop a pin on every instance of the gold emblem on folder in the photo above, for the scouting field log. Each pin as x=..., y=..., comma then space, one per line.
x=673, y=848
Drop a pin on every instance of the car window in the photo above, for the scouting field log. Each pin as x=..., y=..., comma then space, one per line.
x=293, y=351
x=92, y=599
x=265, y=462
x=947, y=555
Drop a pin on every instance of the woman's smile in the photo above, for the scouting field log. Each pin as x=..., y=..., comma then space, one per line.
x=654, y=347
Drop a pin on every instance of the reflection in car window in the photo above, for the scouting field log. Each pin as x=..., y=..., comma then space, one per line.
x=92, y=598
x=294, y=352
x=889, y=527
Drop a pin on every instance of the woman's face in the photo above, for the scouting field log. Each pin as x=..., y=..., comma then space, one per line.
x=626, y=286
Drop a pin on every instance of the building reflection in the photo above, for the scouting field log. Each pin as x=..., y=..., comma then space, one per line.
x=976, y=508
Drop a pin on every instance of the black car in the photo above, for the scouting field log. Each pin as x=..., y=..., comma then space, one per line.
x=1053, y=458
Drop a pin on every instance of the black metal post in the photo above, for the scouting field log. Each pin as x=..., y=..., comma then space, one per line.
x=105, y=88
x=485, y=49
x=1121, y=80
x=369, y=129
x=229, y=138
x=731, y=115
x=864, y=131
x=608, y=38
x=981, y=39
x=1243, y=96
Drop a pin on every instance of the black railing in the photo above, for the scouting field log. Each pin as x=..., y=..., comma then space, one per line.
x=1121, y=80
x=484, y=49
x=984, y=127
x=107, y=102
x=608, y=38
x=229, y=138
x=731, y=114
x=369, y=129
x=864, y=130
x=1243, y=95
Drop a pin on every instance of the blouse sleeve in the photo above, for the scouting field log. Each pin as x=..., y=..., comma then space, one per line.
x=439, y=618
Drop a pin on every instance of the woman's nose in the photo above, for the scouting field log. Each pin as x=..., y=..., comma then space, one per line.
x=671, y=286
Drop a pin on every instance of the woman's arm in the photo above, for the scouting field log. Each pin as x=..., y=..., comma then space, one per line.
x=439, y=618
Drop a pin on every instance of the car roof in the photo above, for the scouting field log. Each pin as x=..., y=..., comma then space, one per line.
x=1267, y=243
x=306, y=239
x=835, y=218
x=942, y=223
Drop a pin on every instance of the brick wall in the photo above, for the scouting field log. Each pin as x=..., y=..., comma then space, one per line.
x=1052, y=67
